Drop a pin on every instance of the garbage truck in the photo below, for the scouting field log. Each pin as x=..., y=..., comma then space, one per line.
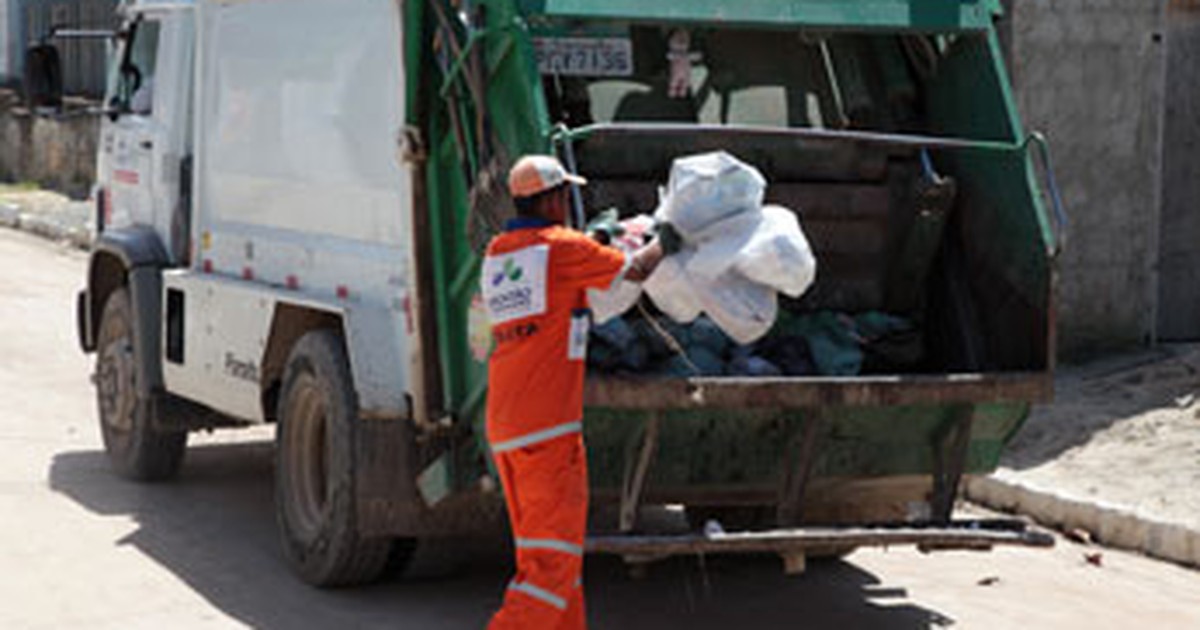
x=293, y=198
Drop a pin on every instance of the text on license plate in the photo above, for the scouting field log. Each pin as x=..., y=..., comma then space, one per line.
x=584, y=56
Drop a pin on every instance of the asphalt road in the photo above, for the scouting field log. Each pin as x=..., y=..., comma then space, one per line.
x=80, y=548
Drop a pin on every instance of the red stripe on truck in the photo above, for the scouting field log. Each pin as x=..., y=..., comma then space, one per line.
x=127, y=177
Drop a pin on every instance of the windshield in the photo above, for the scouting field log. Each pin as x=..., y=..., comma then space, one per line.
x=753, y=77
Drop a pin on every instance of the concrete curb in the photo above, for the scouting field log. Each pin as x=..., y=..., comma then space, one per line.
x=43, y=226
x=1109, y=525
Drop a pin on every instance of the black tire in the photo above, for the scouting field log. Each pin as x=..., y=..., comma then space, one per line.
x=135, y=447
x=315, y=465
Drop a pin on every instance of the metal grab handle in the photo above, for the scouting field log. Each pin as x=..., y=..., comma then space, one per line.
x=1060, y=213
x=578, y=217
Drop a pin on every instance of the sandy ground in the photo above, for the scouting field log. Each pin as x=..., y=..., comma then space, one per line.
x=1124, y=430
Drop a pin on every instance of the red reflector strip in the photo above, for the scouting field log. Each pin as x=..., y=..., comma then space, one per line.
x=247, y=273
x=130, y=178
x=343, y=293
x=408, y=314
x=207, y=266
x=293, y=282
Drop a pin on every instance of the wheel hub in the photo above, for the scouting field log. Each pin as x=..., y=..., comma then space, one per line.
x=309, y=462
x=115, y=383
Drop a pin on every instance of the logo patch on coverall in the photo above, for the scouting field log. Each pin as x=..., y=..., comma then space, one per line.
x=514, y=284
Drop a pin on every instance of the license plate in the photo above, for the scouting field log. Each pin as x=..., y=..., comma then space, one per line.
x=584, y=56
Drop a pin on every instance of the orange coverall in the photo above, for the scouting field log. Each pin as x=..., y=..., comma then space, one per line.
x=535, y=278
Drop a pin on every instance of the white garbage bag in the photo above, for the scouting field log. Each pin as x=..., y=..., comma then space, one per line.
x=703, y=189
x=718, y=247
x=613, y=302
x=737, y=255
x=745, y=310
x=777, y=254
x=672, y=291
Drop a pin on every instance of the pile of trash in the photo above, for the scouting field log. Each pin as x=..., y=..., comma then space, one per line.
x=715, y=304
x=823, y=343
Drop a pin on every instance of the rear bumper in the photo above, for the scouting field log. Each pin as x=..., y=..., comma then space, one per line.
x=967, y=534
x=810, y=392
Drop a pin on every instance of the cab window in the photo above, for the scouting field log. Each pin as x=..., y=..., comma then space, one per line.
x=771, y=78
x=131, y=80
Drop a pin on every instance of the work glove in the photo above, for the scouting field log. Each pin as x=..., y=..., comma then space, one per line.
x=669, y=238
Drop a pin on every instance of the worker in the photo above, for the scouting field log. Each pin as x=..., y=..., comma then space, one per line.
x=535, y=280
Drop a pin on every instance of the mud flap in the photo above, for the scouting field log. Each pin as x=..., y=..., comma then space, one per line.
x=145, y=292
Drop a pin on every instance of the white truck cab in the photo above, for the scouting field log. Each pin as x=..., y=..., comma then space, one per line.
x=253, y=256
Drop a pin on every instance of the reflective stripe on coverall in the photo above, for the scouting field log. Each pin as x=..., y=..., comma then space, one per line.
x=546, y=488
x=535, y=278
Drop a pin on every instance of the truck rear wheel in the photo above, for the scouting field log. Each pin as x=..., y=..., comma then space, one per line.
x=315, y=468
x=136, y=448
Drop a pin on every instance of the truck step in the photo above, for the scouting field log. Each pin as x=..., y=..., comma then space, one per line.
x=965, y=534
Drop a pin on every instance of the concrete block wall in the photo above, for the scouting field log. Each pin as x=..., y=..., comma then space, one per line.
x=59, y=154
x=1091, y=74
x=1179, y=258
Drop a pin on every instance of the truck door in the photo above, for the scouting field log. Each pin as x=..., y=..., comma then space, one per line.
x=477, y=129
x=146, y=136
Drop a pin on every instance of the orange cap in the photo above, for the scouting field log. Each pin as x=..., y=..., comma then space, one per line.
x=534, y=174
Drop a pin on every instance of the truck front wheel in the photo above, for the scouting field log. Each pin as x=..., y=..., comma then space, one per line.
x=315, y=468
x=137, y=449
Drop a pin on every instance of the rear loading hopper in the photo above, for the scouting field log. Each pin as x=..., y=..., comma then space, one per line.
x=892, y=133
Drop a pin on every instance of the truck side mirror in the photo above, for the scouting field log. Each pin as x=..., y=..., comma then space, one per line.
x=43, y=77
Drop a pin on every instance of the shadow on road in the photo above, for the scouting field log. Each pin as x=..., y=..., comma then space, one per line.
x=214, y=528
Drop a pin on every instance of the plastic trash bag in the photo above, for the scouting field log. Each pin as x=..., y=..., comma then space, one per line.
x=613, y=302
x=615, y=346
x=705, y=333
x=628, y=236
x=706, y=188
x=720, y=246
x=744, y=361
x=605, y=225
x=672, y=291
x=752, y=366
x=699, y=362
x=743, y=309
x=736, y=254
x=777, y=254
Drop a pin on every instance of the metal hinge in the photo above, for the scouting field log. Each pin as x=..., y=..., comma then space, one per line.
x=410, y=145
